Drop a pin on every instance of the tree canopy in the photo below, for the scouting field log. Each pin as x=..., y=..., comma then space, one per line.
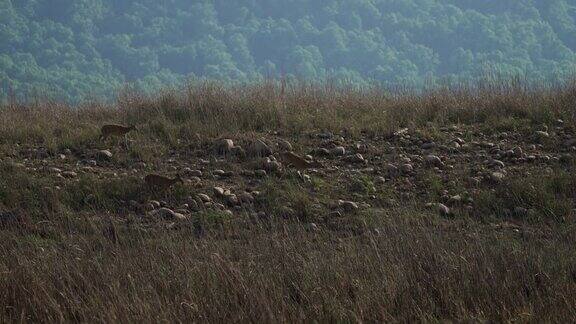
x=75, y=49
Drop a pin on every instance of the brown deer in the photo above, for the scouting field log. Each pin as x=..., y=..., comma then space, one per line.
x=298, y=162
x=155, y=181
x=115, y=130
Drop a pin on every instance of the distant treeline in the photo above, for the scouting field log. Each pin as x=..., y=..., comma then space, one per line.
x=75, y=49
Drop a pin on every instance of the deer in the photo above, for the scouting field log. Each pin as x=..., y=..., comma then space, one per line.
x=298, y=162
x=155, y=181
x=116, y=130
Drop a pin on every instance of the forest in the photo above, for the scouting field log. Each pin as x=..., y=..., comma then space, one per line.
x=75, y=50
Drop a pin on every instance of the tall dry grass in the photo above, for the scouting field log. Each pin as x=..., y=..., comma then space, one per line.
x=63, y=259
x=213, y=109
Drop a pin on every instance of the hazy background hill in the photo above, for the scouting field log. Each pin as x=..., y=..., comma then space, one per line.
x=70, y=49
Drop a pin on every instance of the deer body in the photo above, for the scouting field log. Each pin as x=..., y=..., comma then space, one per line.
x=115, y=130
x=161, y=182
x=298, y=162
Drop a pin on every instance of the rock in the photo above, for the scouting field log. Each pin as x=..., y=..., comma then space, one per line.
x=517, y=151
x=192, y=203
x=219, y=173
x=69, y=174
x=321, y=152
x=335, y=214
x=566, y=159
x=260, y=173
x=406, y=168
x=238, y=151
x=167, y=214
x=287, y=212
x=348, y=206
x=427, y=146
x=392, y=171
x=154, y=203
x=312, y=227
x=542, y=134
x=204, y=198
x=246, y=198
x=259, y=149
x=497, y=177
x=380, y=180
x=192, y=173
x=326, y=135
x=443, y=210
x=434, y=160
x=356, y=158
x=284, y=145
x=338, y=151
x=497, y=163
x=104, y=155
x=224, y=146
x=54, y=170
x=520, y=212
x=219, y=192
x=272, y=166
x=232, y=200
x=455, y=200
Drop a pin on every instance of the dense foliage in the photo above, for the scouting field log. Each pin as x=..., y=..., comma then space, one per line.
x=77, y=48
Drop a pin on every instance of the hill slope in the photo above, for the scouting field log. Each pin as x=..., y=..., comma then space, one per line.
x=76, y=48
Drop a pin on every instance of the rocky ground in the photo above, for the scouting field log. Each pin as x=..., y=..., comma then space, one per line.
x=457, y=171
x=447, y=206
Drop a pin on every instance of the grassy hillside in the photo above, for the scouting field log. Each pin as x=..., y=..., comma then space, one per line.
x=453, y=204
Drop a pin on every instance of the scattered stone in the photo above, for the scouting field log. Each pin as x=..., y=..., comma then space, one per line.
x=232, y=200
x=192, y=173
x=406, y=168
x=204, y=198
x=54, y=170
x=392, y=171
x=338, y=151
x=434, y=160
x=335, y=214
x=284, y=145
x=260, y=173
x=326, y=135
x=428, y=146
x=238, y=151
x=271, y=166
x=246, y=198
x=497, y=177
x=259, y=149
x=321, y=152
x=104, y=155
x=542, y=134
x=520, y=212
x=287, y=212
x=356, y=158
x=167, y=214
x=443, y=210
x=348, y=206
x=497, y=164
x=224, y=146
x=380, y=180
x=219, y=192
x=69, y=174
x=455, y=200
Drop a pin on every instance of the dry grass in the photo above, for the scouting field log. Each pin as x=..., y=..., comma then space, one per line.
x=66, y=258
x=211, y=109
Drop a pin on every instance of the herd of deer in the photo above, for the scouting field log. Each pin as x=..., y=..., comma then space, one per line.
x=156, y=181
